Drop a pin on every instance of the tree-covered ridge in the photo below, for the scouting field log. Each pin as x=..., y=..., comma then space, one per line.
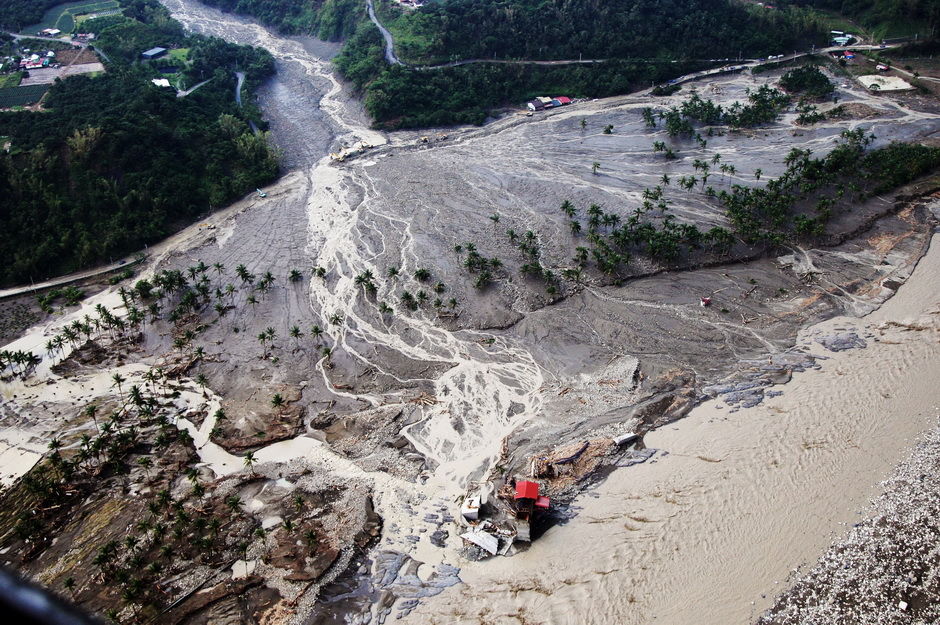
x=889, y=14
x=639, y=39
x=807, y=81
x=16, y=14
x=328, y=19
x=567, y=29
x=398, y=97
x=116, y=162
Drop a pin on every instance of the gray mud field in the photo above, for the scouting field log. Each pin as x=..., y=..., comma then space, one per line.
x=419, y=399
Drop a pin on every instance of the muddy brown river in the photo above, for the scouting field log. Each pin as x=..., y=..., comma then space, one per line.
x=421, y=407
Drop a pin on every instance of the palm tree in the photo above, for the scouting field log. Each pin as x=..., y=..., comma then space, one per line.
x=295, y=334
x=757, y=173
x=234, y=501
x=244, y=275
x=90, y=411
x=277, y=402
x=295, y=276
x=316, y=331
x=250, y=462
x=583, y=124
x=594, y=167
x=392, y=272
x=118, y=381
x=422, y=274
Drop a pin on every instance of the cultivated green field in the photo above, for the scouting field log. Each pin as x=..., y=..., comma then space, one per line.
x=63, y=16
x=10, y=80
x=21, y=96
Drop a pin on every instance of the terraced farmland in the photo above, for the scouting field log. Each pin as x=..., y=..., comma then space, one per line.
x=63, y=16
x=21, y=96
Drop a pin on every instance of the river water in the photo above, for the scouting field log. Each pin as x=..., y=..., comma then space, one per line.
x=625, y=557
x=486, y=389
x=302, y=101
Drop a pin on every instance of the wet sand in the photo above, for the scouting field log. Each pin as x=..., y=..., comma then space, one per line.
x=709, y=532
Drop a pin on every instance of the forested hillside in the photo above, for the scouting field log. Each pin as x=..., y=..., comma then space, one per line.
x=643, y=41
x=891, y=16
x=328, y=19
x=15, y=14
x=540, y=29
x=115, y=162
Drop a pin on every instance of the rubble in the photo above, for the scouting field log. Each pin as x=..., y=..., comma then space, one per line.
x=887, y=569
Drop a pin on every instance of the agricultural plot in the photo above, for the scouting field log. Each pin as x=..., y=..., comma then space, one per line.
x=21, y=96
x=64, y=16
x=10, y=80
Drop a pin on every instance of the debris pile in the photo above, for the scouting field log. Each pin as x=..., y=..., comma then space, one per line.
x=887, y=569
x=747, y=387
x=569, y=464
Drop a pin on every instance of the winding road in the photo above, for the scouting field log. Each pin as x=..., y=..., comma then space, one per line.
x=389, y=42
x=393, y=59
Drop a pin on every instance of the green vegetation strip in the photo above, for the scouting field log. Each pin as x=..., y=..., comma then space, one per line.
x=21, y=96
x=63, y=16
x=98, y=180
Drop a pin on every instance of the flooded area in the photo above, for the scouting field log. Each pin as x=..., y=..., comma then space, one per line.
x=402, y=412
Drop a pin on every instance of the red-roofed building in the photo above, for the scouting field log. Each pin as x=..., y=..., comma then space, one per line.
x=563, y=99
x=527, y=490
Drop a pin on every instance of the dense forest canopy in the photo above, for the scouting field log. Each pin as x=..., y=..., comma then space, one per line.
x=328, y=19
x=116, y=162
x=17, y=14
x=643, y=41
x=923, y=15
x=566, y=29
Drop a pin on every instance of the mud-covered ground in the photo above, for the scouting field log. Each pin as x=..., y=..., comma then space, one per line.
x=413, y=409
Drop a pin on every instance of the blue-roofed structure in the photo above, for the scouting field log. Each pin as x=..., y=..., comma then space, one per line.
x=153, y=53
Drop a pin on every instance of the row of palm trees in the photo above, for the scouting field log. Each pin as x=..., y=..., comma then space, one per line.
x=20, y=362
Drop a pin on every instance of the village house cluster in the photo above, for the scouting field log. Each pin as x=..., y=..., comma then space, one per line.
x=37, y=61
x=542, y=103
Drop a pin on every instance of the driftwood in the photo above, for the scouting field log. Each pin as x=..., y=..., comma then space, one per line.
x=424, y=399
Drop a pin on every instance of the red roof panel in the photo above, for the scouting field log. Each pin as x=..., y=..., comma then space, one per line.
x=527, y=490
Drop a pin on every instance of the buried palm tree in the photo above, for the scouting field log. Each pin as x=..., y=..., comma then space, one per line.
x=296, y=334
x=90, y=411
x=118, y=380
x=277, y=402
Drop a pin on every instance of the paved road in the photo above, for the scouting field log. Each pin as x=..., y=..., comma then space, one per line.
x=393, y=59
x=183, y=94
x=63, y=280
x=238, y=87
x=389, y=42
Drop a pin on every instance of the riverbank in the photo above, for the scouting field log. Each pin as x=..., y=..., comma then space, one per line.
x=710, y=530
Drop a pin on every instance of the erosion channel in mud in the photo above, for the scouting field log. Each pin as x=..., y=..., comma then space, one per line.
x=343, y=381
